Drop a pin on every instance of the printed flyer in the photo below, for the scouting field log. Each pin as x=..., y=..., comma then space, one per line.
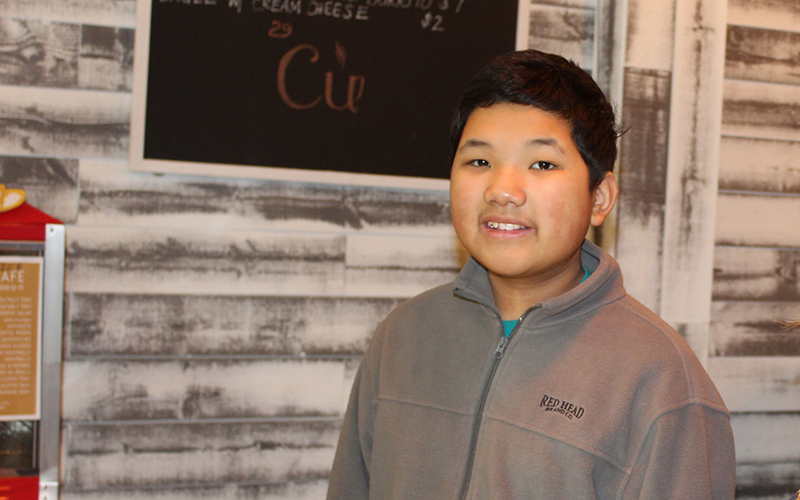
x=20, y=336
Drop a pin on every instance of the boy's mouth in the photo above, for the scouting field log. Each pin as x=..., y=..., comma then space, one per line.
x=502, y=226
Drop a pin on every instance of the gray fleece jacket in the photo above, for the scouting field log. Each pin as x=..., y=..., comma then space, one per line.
x=592, y=397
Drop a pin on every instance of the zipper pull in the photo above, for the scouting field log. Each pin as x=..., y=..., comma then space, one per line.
x=501, y=347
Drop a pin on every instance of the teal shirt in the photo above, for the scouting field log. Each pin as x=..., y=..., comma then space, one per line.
x=510, y=324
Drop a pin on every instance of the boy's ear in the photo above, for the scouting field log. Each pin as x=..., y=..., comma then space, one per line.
x=604, y=198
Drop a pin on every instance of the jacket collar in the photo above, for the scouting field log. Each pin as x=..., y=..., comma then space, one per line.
x=602, y=287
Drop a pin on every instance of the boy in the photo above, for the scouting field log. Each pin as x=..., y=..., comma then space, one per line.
x=533, y=375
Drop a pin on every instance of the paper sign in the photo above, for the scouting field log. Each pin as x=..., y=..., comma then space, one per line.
x=20, y=337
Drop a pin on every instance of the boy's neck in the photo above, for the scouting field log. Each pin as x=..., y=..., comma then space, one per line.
x=514, y=296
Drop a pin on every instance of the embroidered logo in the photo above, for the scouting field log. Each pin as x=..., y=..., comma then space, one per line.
x=565, y=408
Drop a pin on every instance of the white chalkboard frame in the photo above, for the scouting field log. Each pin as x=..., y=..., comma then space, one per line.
x=138, y=162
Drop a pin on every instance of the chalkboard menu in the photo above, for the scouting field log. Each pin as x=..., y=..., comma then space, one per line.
x=356, y=86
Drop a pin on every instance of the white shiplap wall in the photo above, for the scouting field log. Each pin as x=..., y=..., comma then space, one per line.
x=757, y=258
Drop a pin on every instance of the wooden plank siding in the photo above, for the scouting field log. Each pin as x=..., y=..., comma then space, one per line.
x=300, y=489
x=761, y=165
x=567, y=30
x=278, y=454
x=642, y=178
x=771, y=14
x=761, y=110
x=39, y=52
x=761, y=274
x=757, y=384
x=113, y=195
x=116, y=13
x=58, y=54
x=181, y=261
x=63, y=122
x=692, y=169
x=758, y=219
x=753, y=328
x=119, y=388
x=762, y=55
x=767, y=453
x=191, y=325
x=755, y=360
x=650, y=34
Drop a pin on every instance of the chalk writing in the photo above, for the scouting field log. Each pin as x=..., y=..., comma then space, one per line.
x=355, y=85
x=278, y=6
x=339, y=10
x=280, y=30
x=434, y=22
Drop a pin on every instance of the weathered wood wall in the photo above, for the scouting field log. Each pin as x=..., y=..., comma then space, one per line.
x=213, y=325
x=755, y=362
x=674, y=227
x=743, y=206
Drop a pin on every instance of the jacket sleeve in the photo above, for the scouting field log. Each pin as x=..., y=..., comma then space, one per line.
x=688, y=454
x=349, y=478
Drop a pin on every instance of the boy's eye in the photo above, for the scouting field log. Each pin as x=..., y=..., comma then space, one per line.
x=543, y=165
x=479, y=163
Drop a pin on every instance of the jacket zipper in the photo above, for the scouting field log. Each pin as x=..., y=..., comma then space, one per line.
x=499, y=352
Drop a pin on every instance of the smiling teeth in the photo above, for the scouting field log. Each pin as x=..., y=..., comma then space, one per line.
x=503, y=226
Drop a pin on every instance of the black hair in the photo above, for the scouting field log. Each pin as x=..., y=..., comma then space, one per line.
x=553, y=84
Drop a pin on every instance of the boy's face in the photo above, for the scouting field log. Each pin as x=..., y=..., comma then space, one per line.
x=519, y=193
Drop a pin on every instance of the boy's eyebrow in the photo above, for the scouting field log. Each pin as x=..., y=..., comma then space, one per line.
x=539, y=141
x=547, y=141
x=474, y=143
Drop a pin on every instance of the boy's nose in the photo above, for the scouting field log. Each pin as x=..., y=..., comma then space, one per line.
x=505, y=187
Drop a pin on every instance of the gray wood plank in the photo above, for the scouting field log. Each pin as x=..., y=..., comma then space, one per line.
x=106, y=58
x=645, y=120
x=767, y=438
x=692, y=173
x=291, y=490
x=192, y=389
x=575, y=4
x=642, y=179
x=757, y=109
x=50, y=184
x=40, y=53
x=752, y=219
x=63, y=122
x=386, y=251
x=766, y=454
x=98, y=12
x=113, y=195
x=762, y=55
x=757, y=383
x=650, y=34
x=756, y=274
x=759, y=165
x=208, y=262
x=766, y=482
x=772, y=14
x=191, y=262
x=267, y=454
x=564, y=31
x=753, y=329
x=109, y=324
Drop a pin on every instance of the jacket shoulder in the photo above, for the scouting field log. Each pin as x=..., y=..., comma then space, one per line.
x=666, y=352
